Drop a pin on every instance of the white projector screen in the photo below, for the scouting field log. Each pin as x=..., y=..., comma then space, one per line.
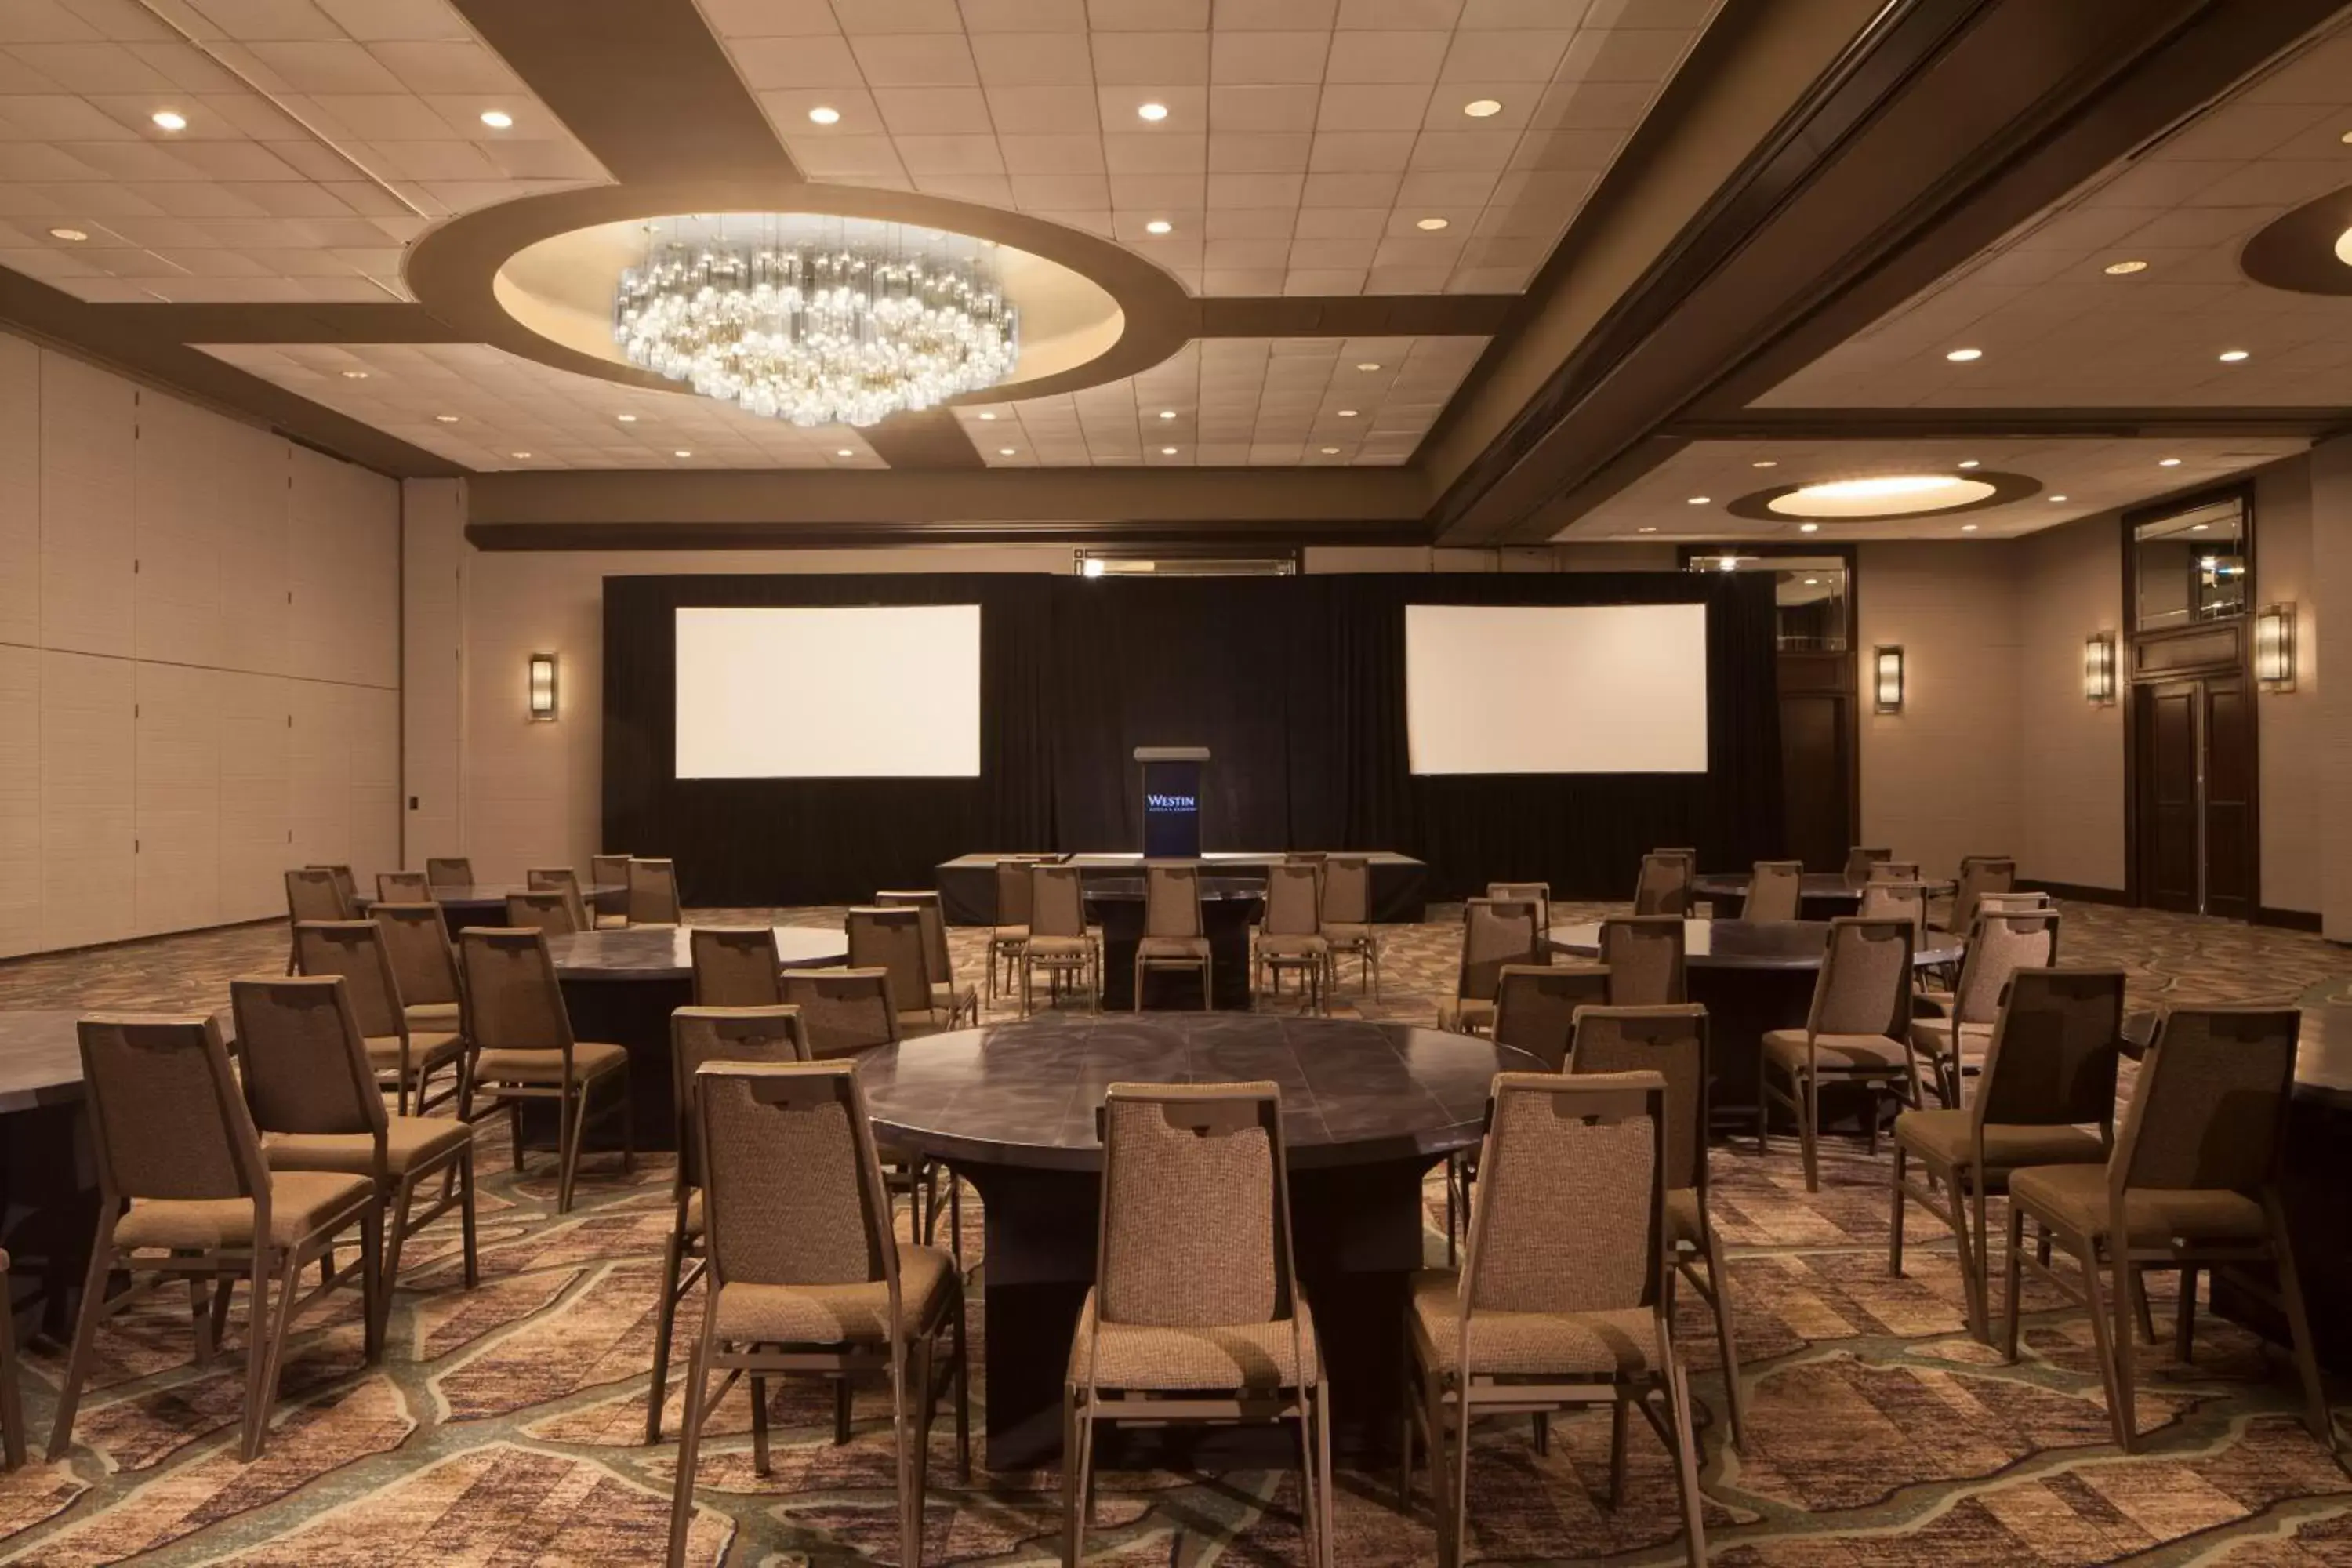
x=1556, y=688
x=869, y=691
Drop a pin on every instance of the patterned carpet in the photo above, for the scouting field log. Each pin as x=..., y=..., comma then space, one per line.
x=504, y=1425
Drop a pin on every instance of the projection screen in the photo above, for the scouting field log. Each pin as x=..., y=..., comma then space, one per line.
x=868, y=691
x=1556, y=688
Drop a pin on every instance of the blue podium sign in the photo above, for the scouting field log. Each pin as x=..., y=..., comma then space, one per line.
x=1171, y=800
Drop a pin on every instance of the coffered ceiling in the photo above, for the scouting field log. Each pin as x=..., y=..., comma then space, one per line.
x=1469, y=271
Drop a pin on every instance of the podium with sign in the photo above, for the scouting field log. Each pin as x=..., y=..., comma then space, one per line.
x=1171, y=800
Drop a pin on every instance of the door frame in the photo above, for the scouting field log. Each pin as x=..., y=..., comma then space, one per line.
x=2183, y=653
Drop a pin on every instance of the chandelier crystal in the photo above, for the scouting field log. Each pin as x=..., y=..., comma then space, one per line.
x=819, y=321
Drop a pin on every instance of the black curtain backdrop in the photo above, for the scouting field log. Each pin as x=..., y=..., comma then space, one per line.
x=1295, y=684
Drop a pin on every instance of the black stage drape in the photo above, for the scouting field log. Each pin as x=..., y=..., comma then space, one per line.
x=1295, y=684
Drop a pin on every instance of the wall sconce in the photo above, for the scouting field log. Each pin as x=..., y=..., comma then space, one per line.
x=2275, y=647
x=2099, y=669
x=1886, y=664
x=542, y=687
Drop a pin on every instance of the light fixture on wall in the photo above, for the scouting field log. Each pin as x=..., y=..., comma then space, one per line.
x=2099, y=669
x=1887, y=678
x=2275, y=647
x=542, y=687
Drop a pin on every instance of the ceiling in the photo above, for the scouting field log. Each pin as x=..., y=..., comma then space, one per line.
x=1694, y=236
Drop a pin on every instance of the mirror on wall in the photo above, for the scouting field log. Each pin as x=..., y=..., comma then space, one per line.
x=2188, y=567
x=1809, y=595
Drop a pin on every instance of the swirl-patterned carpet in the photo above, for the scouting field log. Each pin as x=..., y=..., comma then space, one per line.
x=504, y=1425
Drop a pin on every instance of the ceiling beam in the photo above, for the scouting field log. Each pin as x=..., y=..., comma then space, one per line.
x=923, y=439
x=392, y=321
x=1229, y=533
x=1989, y=424
x=1355, y=316
x=1948, y=123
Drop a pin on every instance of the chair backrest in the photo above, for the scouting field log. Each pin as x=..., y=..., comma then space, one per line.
x=792, y=1190
x=1496, y=932
x=2055, y=1051
x=705, y=1034
x=551, y=910
x=345, y=883
x=843, y=1012
x=611, y=871
x=938, y=959
x=653, y=892
x=560, y=879
x=1644, y=957
x=1864, y=984
x=1665, y=885
x=305, y=1067
x=1012, y=891
x=1535, y=1005
x=1195, y=1224
x=449, y=870
x=1171, y=898
x=892, y=941
x=2209, y=1110
x=1535, y=893
x=2011, y=902
x=1776, y=891
x=417, y=942
x=1883, y=901
x=354, y=950
x=513, y=1002
x=1892, y=872
x=1348, y=891
x=1860, y=860
x=1999, y=946
x=1979, y=875
x=313, y=894
x=735, y=966
x=1294, y=899
x=166, y=1117
x=1670, y=1041
x=402, y=888
x=1057, y=902
x=1569, y=1212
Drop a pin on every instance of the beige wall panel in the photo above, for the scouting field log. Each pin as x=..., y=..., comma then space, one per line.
x=178, y=797
x=252, y=551
x=87, y=462
x=176, y=590
x=433, y=560
x=344, y=560
x=2293, y=734
x=87, y=816
x=2331, y=627
x=2070, y=752
x=374, y=720
x=20, y=492
x=319, y=773
x=256, y=835
x=20, y=800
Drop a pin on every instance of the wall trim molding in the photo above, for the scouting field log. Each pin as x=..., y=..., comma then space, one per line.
x=2075, y=892
x=2288, y=920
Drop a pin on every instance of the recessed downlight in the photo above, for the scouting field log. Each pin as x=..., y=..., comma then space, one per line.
x=1765, y=463
x=1962, y=356
x=444, y=419
x=2054, y=499
x=355, y=375
x=1347, y=414
x=1434, y=224
x=1482, y=108
x=1884, y=494
x=1646, y=529
x=1330, y=451
x=845, y=452
x=70, y=235
x=1167, y=451
x=2167, y=462
x=1968, y=527
x=1368, y=365
x=626, y=418
x=2231, y=356
x=824, y=114
x=1158, y=226
x=498, y=118
x=1701, y=501
x=170, y=119
x=1809, y=528
x=2124, y=268
x=1968, y=463
x=1007, y=451
x=1154, y=112
x=519, y=454
x=683, y=452
x=1168, y=414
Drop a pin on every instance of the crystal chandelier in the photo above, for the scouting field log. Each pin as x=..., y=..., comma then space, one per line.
x=816, y=320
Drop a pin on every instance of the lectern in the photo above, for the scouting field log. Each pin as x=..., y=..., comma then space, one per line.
x=1171, y=800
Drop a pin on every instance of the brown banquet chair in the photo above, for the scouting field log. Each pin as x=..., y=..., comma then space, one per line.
x=706, y=1033
x=611, y=909
x=1776, y=890
x=1010, y=932
x=1979, y=875
x=183, y=1190
x=549, y=909
x=522, y=1049
x=1060, y=942
x=396, y=1049
x=449, y=870
x=1348, y=918
x=1174, y=937
x=402, y=888
x=345, y=883
x=312, y=893
x=1289, y=934
x=948, y=995
x=424, y=966
x=1535, y=893
x=1858, y=859
x=1857, y=1034
x=561, y=879
x=735, y=966
x=1664, y=886
x=652, y=893
x=805, y=1277
x=1644, y=957
x=313, y=1097
x=891, y=940
x=1891, y=871
x=1495, y=932
x=1959, y=1028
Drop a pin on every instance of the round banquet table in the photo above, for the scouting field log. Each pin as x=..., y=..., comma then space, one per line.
x=1752, y=975
x=1229, y=905
x=1367, y=1109
x=623, y=986
x=485, y=903
x=1821, y=895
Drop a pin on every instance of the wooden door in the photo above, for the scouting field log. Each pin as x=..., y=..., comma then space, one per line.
x=1816, y=773
x=2226, y=727
x=2166, y=733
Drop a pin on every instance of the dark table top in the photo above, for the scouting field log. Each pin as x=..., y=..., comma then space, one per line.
x=1813, y=884
x=1123, y=889
x=666, y=952
x=40, y=1055
x=1750, y=945
x=1114, y=860
x=1024, y=1094
x=493, y=895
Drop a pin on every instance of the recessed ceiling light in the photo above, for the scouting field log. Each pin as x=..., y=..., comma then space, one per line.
x=519, y=454
x=73, y=235
x=1155, y=112
x=682, y=452
x=2346, y=138
x=1480, y=108
x=1330, y=451
x=170, y=119
x=2124, y=269
x=1005, y=451
x=2197, y=527
x=355, y=375
x=2167, y=462
x=1765, y=463
x=1809, y=528
x=1168, y=414
x=1645, y=530
x=1962, y=356
x=846, y=452
x=1158, y=226
x=1812, y=582
x=1884, y=494
x=1368, y=364
x=2056, y=499
x=626, y=418
x=1968, y=463
x=1700, y=500
x=444, y=418
x=826, y=114
x=1731, y=564
x=1167, y=451
x=986, y=417
x=1968, y=527
x=1347, y=414
x=497, y=119
x=1434, y=224
x=2231, y=356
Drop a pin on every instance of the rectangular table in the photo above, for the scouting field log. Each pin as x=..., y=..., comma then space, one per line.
x=967, y=884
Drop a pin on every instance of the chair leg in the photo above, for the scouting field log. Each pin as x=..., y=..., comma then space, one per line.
x=2104, y=1336
x=93, y=1306
x=1974, y=1249
x=1459, y=1535
x=841, y=1410
x=571, y=1120
x=2298, y=1324
x=758, y=1424
x=962, y=1396
x=1894, y=1218
x=200, y=1313
x=2013, y=1274
x=2128, y=1299
x=690, y=1445
x=1718, y=1280
x=1808, y=1113
x=11, y=1407
x=1685, y=1456
x=271, y=1354
x=1074, y=1523
x=466, y=1218
x=375, y=1289
x=666, y=1323
x=1617, y=1414
x=1326, y=1524
x=2184, y=1316
x=1404, y=1434
x=2137, y=1280
x=514, y=1128
x=394, y=1237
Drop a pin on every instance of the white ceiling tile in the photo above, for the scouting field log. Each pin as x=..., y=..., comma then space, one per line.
x=822, y=61
x=1034, y=59
x=1267, y=108
x=933, y=111
x=1158, y=59
x=917, y=59
x=1023, y=15
x=1259, y=58
x=1370, y=57
x=1060, y=110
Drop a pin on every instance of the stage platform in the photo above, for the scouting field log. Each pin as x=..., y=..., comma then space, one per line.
x=967, y=884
